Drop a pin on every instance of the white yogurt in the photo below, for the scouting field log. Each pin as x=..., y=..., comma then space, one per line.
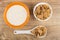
x=16, y=15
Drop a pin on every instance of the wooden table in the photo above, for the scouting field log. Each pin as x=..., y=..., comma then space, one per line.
x=53, y=24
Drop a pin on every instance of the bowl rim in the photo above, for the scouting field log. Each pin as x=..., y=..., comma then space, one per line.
x=41, y=4
x=21, y=25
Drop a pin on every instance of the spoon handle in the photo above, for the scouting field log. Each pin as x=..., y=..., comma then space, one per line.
x=22, y=32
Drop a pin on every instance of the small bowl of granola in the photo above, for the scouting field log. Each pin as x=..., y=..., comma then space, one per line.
x=42, y=11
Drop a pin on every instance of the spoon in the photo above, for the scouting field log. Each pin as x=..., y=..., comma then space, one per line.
x=29, y=32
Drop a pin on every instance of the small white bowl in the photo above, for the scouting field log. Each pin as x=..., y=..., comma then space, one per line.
x=41, y=4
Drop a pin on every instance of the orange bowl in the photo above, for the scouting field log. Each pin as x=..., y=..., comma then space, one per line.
x=21, y=25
